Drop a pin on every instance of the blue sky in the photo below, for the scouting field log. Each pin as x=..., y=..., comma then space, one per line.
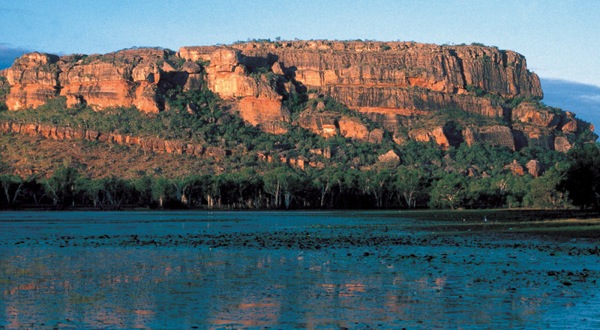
x=560, y=39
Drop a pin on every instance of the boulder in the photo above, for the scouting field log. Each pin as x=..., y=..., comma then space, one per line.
x=353, y=128
x=528, y=112
x=436, y=135
x=562, y=144
x=390, y=158
x=321, y=123
x=515, y=168
x=534, y=168
x=494, y=135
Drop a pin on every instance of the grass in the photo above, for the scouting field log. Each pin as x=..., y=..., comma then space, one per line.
x=499, y=215
x=556, y=223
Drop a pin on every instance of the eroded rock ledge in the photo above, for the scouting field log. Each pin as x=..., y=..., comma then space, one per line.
x=392, y=84
x=149, y=144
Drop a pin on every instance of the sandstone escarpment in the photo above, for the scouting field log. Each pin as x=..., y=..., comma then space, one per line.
x=395, y=88
x=258, y=101
x=388, y=75
x=387, y=80
x=121, y=79
x=33, y=80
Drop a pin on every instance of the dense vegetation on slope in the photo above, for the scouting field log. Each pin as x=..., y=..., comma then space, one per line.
x=423, y=175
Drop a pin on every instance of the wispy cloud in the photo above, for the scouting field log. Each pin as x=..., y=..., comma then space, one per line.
x=9, y=49
x=583, y=99
x=590, y=98
x=8, y=54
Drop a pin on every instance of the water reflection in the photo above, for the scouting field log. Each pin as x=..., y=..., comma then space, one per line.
x=44, y=285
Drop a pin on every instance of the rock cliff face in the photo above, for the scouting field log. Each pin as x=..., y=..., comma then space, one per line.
x=33, y=80
x=394, y=85
x=122, y=79
x=378, y=77
x=258, y=101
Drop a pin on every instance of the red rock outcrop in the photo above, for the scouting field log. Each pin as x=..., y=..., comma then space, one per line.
x=33, y=80
x=436, y=135
x=546, y=127
x=569, y=125
x=321, y=123
x=328, y=124
x=258, y=102
x=353, y=128
x=534, y=168
x=389, y=82
x=402, y=75
x=121, y=79
x=148, y=144
x=528, y=112
x=392, y=84
x=386, y=81
x=389, y=157
x=562, y=144
x=515, y=168
x=265, y=112
x=494, y=135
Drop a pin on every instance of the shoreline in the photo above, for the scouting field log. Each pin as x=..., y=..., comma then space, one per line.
x=568, y=224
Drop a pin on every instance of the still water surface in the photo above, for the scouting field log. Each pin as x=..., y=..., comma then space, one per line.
x=285, y=270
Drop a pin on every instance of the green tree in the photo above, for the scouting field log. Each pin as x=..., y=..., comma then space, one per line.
x=582, y=177
x=483, y=193
x=543, y=191
x=348, y=182
x=448, y=191
x=513, y=188
x=90, y=190
x=12, y=187
x=161, y=191
x=422, y=154
x=199, y=190
x=143, y=190
x=33, y=190
x=249, y=188
x=376, y=183
x=60, y=187
x=284, y=184
x=410, y=184
x=116, y=191
x=324, y=180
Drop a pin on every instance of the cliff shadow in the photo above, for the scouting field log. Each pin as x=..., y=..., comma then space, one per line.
x=255, y=62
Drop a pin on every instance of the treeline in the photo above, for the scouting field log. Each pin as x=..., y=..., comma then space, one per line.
x=573, y=182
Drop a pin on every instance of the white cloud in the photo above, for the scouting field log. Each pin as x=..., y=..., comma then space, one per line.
x=590, y=98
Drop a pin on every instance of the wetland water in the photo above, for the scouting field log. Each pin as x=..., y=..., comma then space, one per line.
x=286, y=270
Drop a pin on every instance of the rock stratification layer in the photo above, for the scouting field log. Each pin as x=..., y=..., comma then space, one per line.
x=384, y=77
x=405, y=88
